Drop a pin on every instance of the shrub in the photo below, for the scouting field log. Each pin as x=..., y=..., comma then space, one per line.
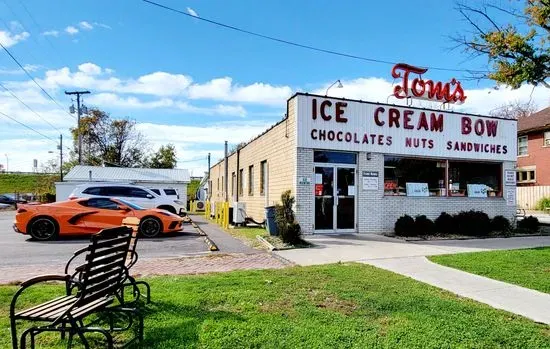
x=500, y=224
x=423, y=225
x=289, y=230
x=445, y=224
x=473, y=223
x=542, y=204
x=404, y=226
x=529, y=223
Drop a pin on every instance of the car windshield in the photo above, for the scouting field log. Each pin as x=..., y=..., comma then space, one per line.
x=131, y=205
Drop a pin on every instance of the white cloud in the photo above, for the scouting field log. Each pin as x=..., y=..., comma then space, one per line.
x=54, y=33
x=71, y=30
x=85, y=25
x=158, y=84
x=9, y=39
x=90, y=68
x=102, y=25
x=28, y=67
x=192, y=12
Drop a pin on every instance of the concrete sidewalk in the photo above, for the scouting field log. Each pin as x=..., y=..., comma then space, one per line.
x=501, y=295
x=409, y=259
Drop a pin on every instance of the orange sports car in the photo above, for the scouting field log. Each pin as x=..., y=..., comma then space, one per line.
x=89, y=216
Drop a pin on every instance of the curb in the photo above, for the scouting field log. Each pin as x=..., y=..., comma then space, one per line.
x=266, y=243
x=209, y=242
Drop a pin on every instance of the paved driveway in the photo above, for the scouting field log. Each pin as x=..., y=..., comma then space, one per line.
x=348, y=248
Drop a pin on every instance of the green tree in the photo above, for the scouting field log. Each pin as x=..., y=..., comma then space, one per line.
x=113, y=142
x=519, y=51
x=192, y=188
x=165, y=157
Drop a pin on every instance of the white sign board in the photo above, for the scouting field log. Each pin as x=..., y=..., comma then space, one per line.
x=511, y=196
x=510, y=177
x=370, y=180
x=337, y=124
x=477, y=190
x=417, y=189
x=304, y=180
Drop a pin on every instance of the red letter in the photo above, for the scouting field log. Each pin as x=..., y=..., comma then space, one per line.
x=394, y=117
x=422, y=122
x=376, y=119
x=479, y=127
x=407, y=119
x=340, y=111
x=437, y=123
x=466, y=125
x=314, y=108
x=324, y=104
x=414, y=87
x=491, y=128
x=408, y=142
x=401, y=91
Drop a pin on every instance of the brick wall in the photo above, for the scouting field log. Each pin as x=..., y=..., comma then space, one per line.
x=537, y=155
x=277, y=146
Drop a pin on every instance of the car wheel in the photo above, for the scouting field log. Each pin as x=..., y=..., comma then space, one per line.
x=170, y=209
x=43, y=229
x=150, y=227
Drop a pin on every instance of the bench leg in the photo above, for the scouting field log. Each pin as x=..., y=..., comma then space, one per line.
x=14, y=338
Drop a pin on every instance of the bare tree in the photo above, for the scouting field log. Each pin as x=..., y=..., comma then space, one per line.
x=519, y=52
x=514, y=110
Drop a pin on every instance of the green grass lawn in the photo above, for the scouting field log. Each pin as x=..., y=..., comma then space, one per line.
x=334, y=306
x=248, y=235
x=529, y=268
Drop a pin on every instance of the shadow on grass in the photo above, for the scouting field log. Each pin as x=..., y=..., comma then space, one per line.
x=172, y=325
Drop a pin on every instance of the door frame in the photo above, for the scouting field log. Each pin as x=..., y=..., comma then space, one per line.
x=334, y=229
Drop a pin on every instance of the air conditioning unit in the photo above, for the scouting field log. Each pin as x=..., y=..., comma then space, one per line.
x=547, y=142
x=200, y=206
x=239, y=212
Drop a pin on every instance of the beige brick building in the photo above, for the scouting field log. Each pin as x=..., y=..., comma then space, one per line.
x=357, y=166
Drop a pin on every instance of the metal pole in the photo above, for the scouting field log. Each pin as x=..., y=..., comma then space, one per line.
x=7, y=163
x=208, y=178
x=79, y=113
x=61, y=157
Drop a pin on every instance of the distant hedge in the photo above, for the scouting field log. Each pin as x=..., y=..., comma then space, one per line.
x=25, y=183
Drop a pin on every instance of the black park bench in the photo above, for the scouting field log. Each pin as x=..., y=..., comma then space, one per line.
x=93, y=289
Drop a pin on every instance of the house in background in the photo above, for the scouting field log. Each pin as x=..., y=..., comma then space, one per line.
x=155, y=178
x=533, y=164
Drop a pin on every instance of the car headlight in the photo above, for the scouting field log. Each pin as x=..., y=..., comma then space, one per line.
x=179, y=202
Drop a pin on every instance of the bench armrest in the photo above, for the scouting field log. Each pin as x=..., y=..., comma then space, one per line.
x=75, y=254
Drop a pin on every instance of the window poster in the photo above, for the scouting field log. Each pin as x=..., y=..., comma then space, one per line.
x=417, y=189
x=370, y=180
x=477, y=190
x=510, y=177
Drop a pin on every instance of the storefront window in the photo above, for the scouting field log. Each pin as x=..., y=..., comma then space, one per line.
x=414, y=177
x=334, y=157
x=474, y=179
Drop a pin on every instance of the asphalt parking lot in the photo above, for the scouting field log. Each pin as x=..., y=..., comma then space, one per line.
x=18, y=250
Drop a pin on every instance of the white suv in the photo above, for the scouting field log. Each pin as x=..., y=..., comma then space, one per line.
x=135, y=194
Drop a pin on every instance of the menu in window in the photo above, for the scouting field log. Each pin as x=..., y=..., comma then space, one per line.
x=417, y=189
x=477, y=190
x=510, y=177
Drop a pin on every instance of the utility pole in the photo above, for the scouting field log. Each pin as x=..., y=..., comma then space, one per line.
x=78, y=93
x=226, y=173
x=61, y=157
x=209, y=189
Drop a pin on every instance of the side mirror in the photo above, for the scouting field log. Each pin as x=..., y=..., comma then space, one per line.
x=149, y=196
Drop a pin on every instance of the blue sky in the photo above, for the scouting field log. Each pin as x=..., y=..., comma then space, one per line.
x=195, y=85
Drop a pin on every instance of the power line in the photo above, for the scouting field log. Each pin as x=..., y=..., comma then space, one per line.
x=32, y=78
x=26, y=105
x=30, y=128
x=292, y=43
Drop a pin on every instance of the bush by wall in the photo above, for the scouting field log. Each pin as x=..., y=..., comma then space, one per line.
x=473, y=223
x=530, y=223
x=288, y=228
x=542, y=204
x=500, y=224
x=404, y=226
x=423, y=225
x=445, y=224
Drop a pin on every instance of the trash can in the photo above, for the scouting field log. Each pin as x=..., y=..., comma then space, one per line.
x=270, y=223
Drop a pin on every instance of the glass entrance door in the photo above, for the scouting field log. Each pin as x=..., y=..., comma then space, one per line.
x=334, y=199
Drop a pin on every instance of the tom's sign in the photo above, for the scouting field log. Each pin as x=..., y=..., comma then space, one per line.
x=327, y=123
x=413, y=86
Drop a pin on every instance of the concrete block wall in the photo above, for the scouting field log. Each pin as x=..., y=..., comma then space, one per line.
x=305, y=198
x=277, y=146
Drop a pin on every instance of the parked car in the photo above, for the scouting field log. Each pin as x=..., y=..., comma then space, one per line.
x=134, y=194
x=168, y=192
x=89, y=216
x=10, y=200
